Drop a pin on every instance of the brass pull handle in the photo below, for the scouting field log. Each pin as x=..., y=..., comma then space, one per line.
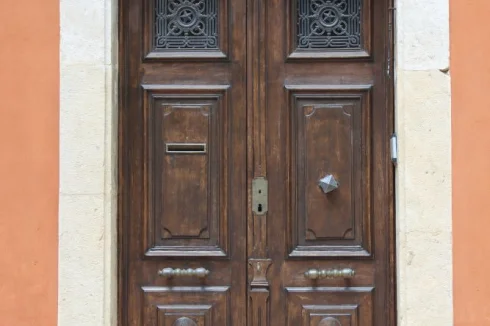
x=170, y=272
x=314, y=274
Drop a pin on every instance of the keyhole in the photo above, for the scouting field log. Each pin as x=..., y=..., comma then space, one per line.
x=259, y=209
x=260, y=191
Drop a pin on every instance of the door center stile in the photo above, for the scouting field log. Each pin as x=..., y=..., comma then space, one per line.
x=257, y=250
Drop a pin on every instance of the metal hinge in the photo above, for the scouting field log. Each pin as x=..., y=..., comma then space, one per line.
x=394, y=149
x=259, y=195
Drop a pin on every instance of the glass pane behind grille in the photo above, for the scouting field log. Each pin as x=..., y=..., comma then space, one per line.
x=186, y=25
x=329, y=24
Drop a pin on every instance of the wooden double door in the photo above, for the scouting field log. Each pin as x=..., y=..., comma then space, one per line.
x=256, y=185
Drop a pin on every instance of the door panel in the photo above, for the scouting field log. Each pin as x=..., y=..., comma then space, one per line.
x=183, y=163
x=327, y=113
x=330, y=133
x=186, y=306
x=329, y=306
x=187, y=156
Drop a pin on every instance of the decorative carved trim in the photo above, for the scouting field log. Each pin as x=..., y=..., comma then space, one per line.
x=259, y=272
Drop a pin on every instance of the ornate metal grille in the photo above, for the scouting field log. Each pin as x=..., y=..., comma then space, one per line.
x=329, y=24
x=186, y=24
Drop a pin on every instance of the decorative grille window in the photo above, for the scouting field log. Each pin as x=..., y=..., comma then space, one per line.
x=329, y=24
x=186, y=25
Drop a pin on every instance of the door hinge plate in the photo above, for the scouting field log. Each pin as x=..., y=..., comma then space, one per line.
x=259, y=195
x=394, y=149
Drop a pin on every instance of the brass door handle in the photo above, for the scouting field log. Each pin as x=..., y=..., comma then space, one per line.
x=314, y=274
x=170, y=272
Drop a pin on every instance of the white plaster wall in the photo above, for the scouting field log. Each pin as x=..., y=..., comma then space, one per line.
x=88, y=125
x=88, y=188
x=423, y=124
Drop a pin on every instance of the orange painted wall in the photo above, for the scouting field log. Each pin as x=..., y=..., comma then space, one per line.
x=470, y=73
x=29, y=87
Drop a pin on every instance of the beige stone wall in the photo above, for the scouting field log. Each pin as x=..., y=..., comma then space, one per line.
x=423, y=191
x=87, y=225
x=88, y=125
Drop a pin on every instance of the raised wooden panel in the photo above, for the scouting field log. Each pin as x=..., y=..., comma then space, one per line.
x=185, y=306
x=187, y=144
x=330, y=133
x=323, y=29
x=185, y=29
x=184, y=315
x=325, y=315
x=330, y=306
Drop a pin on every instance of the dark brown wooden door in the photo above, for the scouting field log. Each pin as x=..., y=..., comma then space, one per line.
x=218, y=93
x=325, y=113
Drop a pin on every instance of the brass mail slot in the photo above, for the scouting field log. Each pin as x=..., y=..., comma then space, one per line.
x=185, y=148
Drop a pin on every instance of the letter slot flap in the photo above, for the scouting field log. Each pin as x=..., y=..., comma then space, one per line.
x=185, y=148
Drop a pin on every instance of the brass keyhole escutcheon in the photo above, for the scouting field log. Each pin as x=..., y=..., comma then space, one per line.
x=259, y=196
